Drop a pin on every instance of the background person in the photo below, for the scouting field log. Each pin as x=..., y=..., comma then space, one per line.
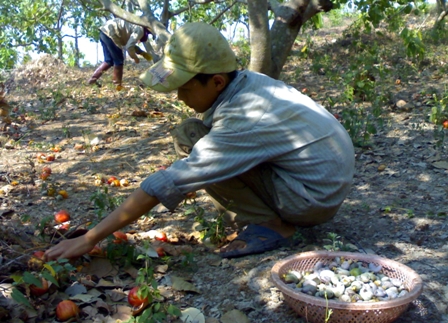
x=117, y=35
x=270, y=157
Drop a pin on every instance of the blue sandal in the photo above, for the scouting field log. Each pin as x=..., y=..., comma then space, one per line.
x=258, y=239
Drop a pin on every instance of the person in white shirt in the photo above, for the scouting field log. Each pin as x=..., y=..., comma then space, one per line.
x=116, y=36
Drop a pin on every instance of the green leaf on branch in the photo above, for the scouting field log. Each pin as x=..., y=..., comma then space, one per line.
x=30, y=279
x=47, y=275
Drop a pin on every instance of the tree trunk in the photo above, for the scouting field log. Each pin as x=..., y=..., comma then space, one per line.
x=76, y=48
x=260, y=42
x=60, y=47
x=269, y=50
x=290, y=17
x=59, y=32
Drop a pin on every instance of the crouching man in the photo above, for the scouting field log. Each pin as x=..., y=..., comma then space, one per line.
x=270, y=158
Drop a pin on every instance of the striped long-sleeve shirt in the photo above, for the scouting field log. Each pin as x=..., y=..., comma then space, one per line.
x=261, y=120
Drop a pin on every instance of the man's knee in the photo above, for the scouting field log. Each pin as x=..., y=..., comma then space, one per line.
x=187, y=134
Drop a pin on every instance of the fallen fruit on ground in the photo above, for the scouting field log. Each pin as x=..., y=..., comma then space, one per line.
x=66, y=309
x=44, y=175
x=63, y=193
x=62, y=216
x=115, y=183
x=64, y=227
x=56, y=149
x=46, y=169
x=124, y=182
x=111, y=179
x=100, y=177
x=39, y=291
x=160, y=252
x=191, y=195
x=51, y=191
x=120, y=237
x=161, y=236
x=96, y=251
x=51, y=157
x=98, y=182
x=39, y=254
x=40, y=156
x=133, y=298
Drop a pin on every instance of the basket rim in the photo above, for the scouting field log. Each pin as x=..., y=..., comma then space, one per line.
x=312, y=300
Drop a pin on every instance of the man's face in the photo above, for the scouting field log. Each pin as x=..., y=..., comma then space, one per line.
x=197, y=96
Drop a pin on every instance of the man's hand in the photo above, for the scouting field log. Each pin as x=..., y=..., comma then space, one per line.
x=136, y=60
x=137, y=204
x=69, y=248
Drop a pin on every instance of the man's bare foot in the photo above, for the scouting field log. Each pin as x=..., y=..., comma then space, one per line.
x=277, y=225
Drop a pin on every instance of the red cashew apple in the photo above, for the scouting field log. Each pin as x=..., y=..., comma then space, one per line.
x=96, y=251
x=39, y=291
x=62, y=216
x=134, y=299
x=120, y=237
x=44, y=175
x=66, y=309
x=39, y=254
x=160, y=252
x=111, y=180
x=161, y=236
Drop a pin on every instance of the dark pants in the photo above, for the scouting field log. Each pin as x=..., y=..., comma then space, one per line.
x=113, y=55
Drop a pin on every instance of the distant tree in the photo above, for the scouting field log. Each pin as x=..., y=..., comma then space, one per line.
x=39, y=26
x=273, y=25
x=270, y=43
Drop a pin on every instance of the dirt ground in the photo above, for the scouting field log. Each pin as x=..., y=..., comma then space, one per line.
x=397, y=207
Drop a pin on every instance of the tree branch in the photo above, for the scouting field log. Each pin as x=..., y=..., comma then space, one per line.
x=223, y=12
x=204, y=1
x=443, y=12
x=61, y=11
x=166, y=13
x=70, y=36
x=16, y=45
x=316, y=6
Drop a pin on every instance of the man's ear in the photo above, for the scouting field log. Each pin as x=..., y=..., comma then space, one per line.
x=220, y=81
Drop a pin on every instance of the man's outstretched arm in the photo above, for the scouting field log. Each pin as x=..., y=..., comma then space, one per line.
x=137, y=204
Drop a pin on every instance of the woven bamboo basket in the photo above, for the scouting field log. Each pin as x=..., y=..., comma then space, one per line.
x=315, y=309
